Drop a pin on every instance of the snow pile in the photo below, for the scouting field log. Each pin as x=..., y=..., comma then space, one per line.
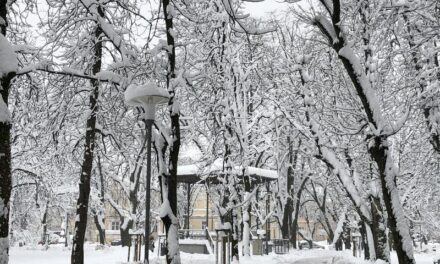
x=8, y=59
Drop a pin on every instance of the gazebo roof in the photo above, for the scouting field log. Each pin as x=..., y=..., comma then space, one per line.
x=194, y=173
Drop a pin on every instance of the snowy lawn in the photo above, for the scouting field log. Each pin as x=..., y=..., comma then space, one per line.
x=118, y=255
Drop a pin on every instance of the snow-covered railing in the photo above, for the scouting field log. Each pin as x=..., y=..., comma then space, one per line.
x=209, y=238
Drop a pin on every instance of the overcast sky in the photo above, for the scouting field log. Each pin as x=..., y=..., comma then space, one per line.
x=260, y=9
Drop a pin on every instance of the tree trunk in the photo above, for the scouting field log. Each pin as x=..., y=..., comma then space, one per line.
x=294, y=229
x=99, y=215
x=5, y=175
x=124, y=231
x=235, y=234
x=101, y=231
x=379, y=153
x=346, y=237
x=364, y=240
x=5, y=153
x=170, y=221
x=379, y=230
x=82, y=205
x=288, y=209
x=246, y=216
x=44, y=237
x=287, y=219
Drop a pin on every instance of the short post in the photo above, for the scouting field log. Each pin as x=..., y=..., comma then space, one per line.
x=267, y=219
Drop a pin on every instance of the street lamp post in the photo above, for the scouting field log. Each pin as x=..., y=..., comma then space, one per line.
x=147, y=96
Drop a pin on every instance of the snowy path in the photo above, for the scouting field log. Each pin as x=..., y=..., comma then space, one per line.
x=317, y=260
x=118, y=255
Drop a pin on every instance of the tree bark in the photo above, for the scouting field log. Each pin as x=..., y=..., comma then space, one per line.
x=378, y=227
x=124, y=231
x=44, y=238
x=101, y=232
x=288, y=209
x=5, y=155
x=100, y=226
x=379, y=153
x=82, y=206
x=294, y=230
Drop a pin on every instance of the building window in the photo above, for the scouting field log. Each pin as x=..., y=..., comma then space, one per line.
x=115, y=225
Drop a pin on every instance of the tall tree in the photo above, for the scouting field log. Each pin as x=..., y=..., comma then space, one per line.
x=82, y=206
x=169, y=180
x=379, y=139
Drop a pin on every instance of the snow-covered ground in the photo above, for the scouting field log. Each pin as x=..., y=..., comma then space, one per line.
x=118, y=255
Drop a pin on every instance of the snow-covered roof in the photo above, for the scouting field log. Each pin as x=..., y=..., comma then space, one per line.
x=193, y=173
x=265, y=173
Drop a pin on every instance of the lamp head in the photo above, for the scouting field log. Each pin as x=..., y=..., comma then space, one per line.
x=147, y=96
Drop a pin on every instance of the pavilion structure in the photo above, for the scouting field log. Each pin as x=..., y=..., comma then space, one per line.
x=211, y=175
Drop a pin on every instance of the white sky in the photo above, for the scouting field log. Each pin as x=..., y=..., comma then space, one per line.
x=260, y=9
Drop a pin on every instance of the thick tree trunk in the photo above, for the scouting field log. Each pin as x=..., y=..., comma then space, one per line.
x=5, y=153
x=82, y=205
x=5, y=175
x=379, y=230
x=379, y=153
x=288, y=209
x=287, y=219
x=124, y=231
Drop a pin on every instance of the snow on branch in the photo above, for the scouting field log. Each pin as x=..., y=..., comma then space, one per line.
x=328, y=156
x=356, y=73
x=253, y=31
x=332, y=161
x=120, y=210
x=103, y=76
x=397, y=208
x=107, y=28
x=326, y=28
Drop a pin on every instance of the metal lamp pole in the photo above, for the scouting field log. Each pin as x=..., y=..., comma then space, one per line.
x=149, y=123
x=147, y=96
